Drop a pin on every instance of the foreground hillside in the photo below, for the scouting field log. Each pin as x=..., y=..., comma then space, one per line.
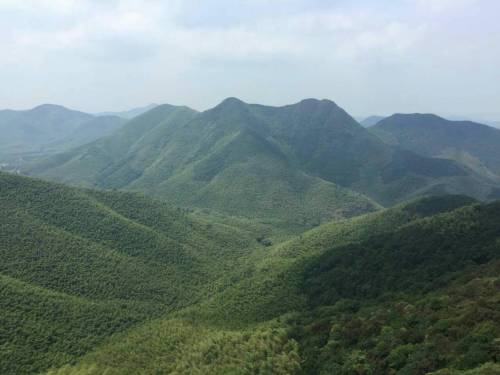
x=304, y=163
x=133, y=286
x=79, y=265
x=428, y=310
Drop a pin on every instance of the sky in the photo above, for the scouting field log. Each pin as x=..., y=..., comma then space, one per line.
x=369, y=56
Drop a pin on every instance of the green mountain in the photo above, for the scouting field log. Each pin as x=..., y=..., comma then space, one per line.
x=303, y=163
x=97, y=282
x=474, y=145
x=220, y=159
x=409, y=290
x=79, y=265
x=48, y=129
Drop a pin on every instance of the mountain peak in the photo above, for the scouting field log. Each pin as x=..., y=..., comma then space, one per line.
x=317, y=101
x=50, y=107
x=228, y=105
x=231, y=101
x=311, y=105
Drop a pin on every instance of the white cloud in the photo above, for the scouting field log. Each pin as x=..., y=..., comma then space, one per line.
x=345, y=34
x=200, y=48
x=62, y=6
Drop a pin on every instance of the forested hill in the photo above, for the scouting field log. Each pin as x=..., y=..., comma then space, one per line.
x=410, y=290
x=221, y=159
x=306, y=163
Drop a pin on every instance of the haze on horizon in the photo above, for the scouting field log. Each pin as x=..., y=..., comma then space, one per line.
x=371, y=57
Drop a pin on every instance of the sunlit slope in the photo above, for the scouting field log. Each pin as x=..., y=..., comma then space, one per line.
x=78, y=265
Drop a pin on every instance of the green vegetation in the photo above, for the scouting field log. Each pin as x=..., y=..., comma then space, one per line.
x=79, y=265
x=217, y=160
x=276, y=274
x=476, y=146
x=177, y=347
x=97, y=282
x=40, y=328
x=455, y=328
x=113, y=282
x=298, y=165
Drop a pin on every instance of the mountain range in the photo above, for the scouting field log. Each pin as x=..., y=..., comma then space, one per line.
x=305, y=163
x=248, y=239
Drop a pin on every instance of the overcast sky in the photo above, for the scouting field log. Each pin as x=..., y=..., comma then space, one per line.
x=370, y=56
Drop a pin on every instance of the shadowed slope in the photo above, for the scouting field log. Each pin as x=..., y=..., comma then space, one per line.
x=474, y=145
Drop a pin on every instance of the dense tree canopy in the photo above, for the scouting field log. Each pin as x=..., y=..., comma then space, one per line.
x=95, y=282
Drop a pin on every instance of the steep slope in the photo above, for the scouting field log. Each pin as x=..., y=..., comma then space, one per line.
x=117, y=160
x=277, y=274
x=475, y=145
x=420, y=277
x=48, y=129
x=223, y=159
x=79, y=265
x=321, y=303
x=121, y=234
x=298, y=163
x=322, y=139
x=412, y=289
x=326, y=142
